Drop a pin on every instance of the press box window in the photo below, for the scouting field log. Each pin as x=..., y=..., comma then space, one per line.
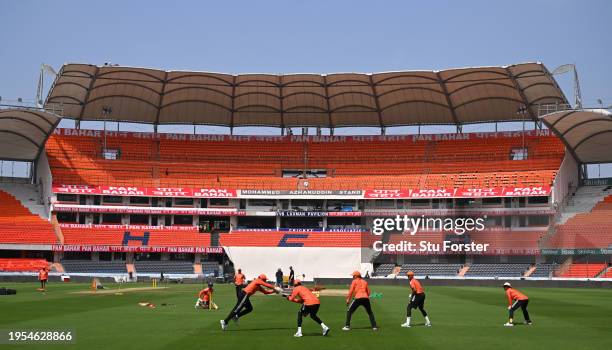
x=219, y=202
x=111, y=154
x=518, y=153
x=62, y=197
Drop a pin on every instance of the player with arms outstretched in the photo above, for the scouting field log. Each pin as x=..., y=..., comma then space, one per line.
x=417, y=300
x=243, y=305
x=310, y=306
x=516, y=300
x=361, y=292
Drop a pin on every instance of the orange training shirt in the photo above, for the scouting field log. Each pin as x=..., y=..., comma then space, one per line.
x=256, y=285
x=205, y=294
x=514, y=294
x=305, y=296
x=43, y=275
x=238, y=279
x=359, y=288
x=416, y=286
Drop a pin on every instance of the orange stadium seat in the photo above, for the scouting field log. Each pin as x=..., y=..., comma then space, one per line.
x=114, y=236
x=586, y=230
x=584, y=270
x=22, y=264
x=258, y=164
x=19, y=225
x=295, y=238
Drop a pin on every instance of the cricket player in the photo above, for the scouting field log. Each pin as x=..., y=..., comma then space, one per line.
x=243, y=305
x=516, y=299
x=204, y=297
x=310, y=306
x=417, y=300
x=43, y=276
x=239, y=280
x=361, y=293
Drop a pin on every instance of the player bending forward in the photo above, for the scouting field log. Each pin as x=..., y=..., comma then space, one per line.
x=243, y=305
x=204, y=297
x=417, y=299
x=310, y=306
x=516, y=299
x=360, y=290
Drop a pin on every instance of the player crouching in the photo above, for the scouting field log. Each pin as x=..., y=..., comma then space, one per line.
x=243, y=305
x=516, y=300
x=417, y=300
x=310, y=306
x=205, y=298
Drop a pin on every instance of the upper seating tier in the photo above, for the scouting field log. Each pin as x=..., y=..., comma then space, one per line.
x=350, y=164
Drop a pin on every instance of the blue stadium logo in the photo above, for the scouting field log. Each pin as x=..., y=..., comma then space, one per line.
x=284, y=241
x=144, y=239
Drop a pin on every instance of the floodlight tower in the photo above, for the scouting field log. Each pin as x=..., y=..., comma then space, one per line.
x=565, y=68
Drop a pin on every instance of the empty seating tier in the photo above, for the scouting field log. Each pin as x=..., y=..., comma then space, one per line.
x=90, y=266
x=19, y=226
x=586, y=230
x=432, y=269
x=580, y=270
x=295, y=239
x=93, y=235
x=168, y=266
x=497, y=270
x=258, y=163
x=22, y=265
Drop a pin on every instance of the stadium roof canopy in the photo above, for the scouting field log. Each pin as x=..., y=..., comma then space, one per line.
x=587, y=133
x=23, y=133
x=454, y=96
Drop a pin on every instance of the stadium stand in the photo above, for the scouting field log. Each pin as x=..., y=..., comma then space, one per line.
x=154, y=163
x=175, y=267
x=584, y=270
x=432, y=269
x=497, y=270
x=210, y=267
x=384, y=269
x=607, y=274
x=90, y=266
x=19, y=225
x=586, y=230
x=544, y=270
x=22, y=265
x=295, y=239
x=500, y=242
x=101, y=235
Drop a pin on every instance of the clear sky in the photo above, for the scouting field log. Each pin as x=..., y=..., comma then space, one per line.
x=306, y=36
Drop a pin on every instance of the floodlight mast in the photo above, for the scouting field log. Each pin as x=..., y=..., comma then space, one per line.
x=44, y=68
x=565, y=68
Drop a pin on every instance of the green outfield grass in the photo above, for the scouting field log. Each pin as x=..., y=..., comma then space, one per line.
x=463, y=318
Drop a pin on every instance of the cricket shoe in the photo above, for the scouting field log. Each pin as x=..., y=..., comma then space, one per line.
x=529, y=323
x=325, y=331
x=374, y=328
x=428, y=324
x=223, y=325
x=508, y=324
x=346, y=328
x=405, y=325
x=298, y=334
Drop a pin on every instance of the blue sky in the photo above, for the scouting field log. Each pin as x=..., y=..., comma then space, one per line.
x=306, y=36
